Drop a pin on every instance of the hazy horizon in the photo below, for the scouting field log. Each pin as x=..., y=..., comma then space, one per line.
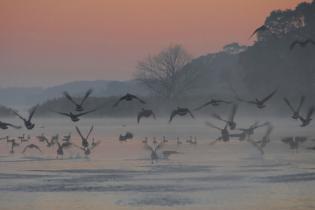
x=49, y=43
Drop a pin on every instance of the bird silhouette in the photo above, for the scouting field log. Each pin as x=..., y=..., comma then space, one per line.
x=75, y=117
x=180, y=112
x=31, y=146
x=213, y=102
x=301, y=43
x=260, y=103
x=84, y=140
x=308, y=118
x=128, y=97
x=154, y=151
x=28, y=122
x=145, y=113
x=296, y=112
x=78, y=106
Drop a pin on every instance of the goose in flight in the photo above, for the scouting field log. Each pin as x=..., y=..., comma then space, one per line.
x=301, y=43
x=225, y=135
x=78, y=106
x=260, y=103
x=75, y=117
x=28, y=122
x=4, y=125
x=308, y=118
x=31, y=146
x=260, y=29
x=213, y=102
x=230, y=121
x=84, y=140
x=145, y=113
x=181, y=112
x=61, y=147
x=128, y=97
x=154, y=151
x=294, y=142
x=296, y=112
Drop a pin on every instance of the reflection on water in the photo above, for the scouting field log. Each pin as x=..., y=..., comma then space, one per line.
x=120, y=176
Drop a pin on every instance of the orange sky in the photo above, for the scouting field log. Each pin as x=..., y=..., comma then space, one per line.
x=47, y=42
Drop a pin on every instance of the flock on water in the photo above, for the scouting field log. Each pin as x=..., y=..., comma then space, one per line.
x=156, y=147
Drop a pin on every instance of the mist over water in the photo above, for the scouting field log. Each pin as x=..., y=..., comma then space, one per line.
x=117, y=175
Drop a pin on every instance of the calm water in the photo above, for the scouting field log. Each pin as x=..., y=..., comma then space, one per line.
x=120, y=175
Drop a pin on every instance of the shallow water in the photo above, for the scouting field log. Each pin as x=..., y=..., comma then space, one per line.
x=118, y=175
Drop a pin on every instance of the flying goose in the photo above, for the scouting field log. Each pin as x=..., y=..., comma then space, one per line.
x=78, y=106
x=181, y=112
x=128, y=97
x=27, y=122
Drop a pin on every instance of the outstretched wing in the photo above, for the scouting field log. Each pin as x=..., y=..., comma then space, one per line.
x=268, y=131
x=90, y=131
x=139, y=99
x=36, y=147
x=310, y=112
x=233, y=112
x=17, y=114
x=13, y=126
x=95, y=145
x=289, y=104
x=173, y=114
x=63, y=113
x=79, y=132
x=32, y=113
x=190, y=113
x=269, y=96
x=25, y=148
x=202, y=106
x=118, y=101
x=300, y=104
x=218, y=117
x=87, y=94
x=67, y=95
x=212, y=126
x=255, y=145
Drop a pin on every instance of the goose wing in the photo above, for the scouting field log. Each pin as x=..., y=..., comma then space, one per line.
x=289, y=104
x=68, y=96
x=269, y=96
x=87, y=94
x=32, y=113
x=300, y=104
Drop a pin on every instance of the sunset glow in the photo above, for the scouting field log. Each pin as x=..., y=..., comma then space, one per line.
x=54, y=41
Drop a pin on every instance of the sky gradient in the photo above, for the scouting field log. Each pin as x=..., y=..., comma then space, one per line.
x=44, y=43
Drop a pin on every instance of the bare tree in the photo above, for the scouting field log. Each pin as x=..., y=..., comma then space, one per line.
x=165, y=74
